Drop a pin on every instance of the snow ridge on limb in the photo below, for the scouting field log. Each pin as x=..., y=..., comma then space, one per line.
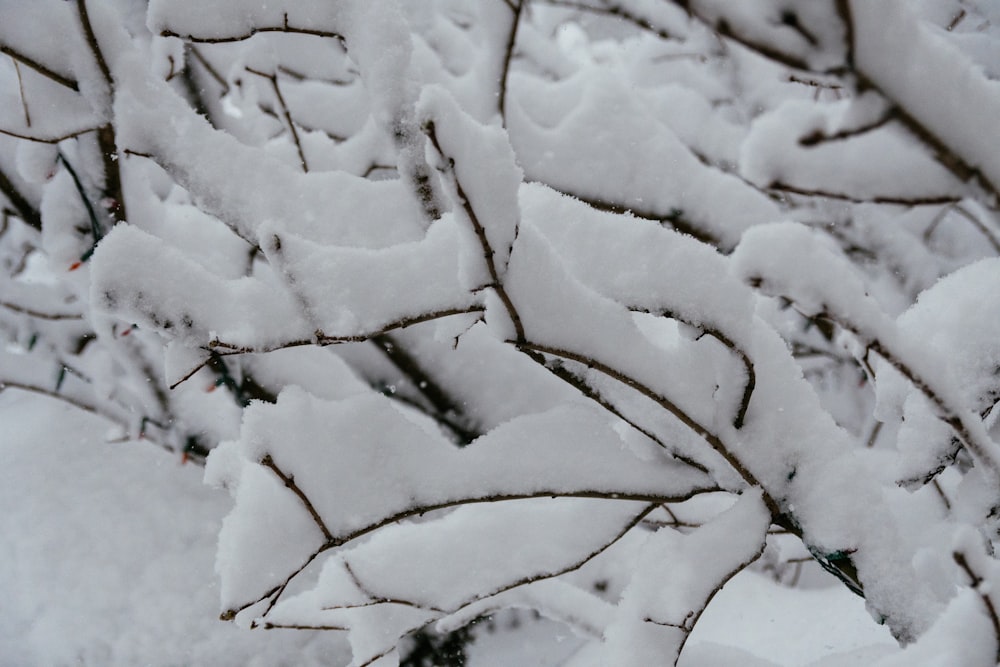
x=676, y=577
x=834, y=291
x=897, y=52
x=343, y=480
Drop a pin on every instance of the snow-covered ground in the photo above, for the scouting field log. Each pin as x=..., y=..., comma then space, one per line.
x=108, y=550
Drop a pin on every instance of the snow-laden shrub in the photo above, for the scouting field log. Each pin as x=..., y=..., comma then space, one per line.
x=572, y=306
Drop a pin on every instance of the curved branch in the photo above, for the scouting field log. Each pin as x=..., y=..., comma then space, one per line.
x=713, y=440
x=289, y=482
x=488, y=252
x=984, y=595
x=275, y=593
x=741, y=411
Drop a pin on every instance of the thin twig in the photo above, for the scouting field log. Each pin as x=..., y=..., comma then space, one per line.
x=39, y=314
x=714, y=441
x=40, y=68
x=581, y=385
x=275, y=593
x=47, y=140
x=254, y=31
x=507, y=57
x=488, y=253
x=273, y=78
x=95, y=47
x=934, y=200
x=445, y=409
x=984, y=595
x=289, y=482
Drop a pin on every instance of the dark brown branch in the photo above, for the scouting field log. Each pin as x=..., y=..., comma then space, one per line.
x=984, y=595
x=936, y=200
x=289, y=482
x=976, y=222
x=275, y=593
x=48, y=140
x=35, y=389
x=378, y=599
x=675, y=218
x=25, y=210
x=254, y=31
x=39, y=314
x=820, y=137
x=114, y=197
x=24, y=99
x=949, y=415
x=712, y=439
x=446, y=410
x=947, y=157
x=283, y=626
x=273, y=78
x=212, y=72
x=488, y=252
x=322, y=340
x=695, y=615
x=741, y=411
x=61, y=79
x=507, y=57
x=724, y=29
x=95, y=47
x=580, y=384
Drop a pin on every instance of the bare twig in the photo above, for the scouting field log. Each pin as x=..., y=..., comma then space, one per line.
x=289, y=482
x=274, y=593
x=488, y=252
x=516, y=7
x=273, y=78
x=95, y=47
x=445, y=409
x=984, y=595
x=723, y=28
x=47, y=140
x=935, y=200
x=580, y=384
x=285, y=27
x=695, y=615
x=748, y=387
x=820, y=137
x=39, y=314
x=61, y=79
x=714, y=441
x=674, y=218
x=24, y=209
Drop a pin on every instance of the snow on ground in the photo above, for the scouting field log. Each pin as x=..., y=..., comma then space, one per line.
x=107, y=559
x=107, y=554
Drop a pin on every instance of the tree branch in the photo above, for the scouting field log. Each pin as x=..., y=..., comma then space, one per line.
x=273, y=78
x=61, y=79
x=289, y=482
x=516, y=6
x=488, y=252
x=25, y=210
x=984, y=595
